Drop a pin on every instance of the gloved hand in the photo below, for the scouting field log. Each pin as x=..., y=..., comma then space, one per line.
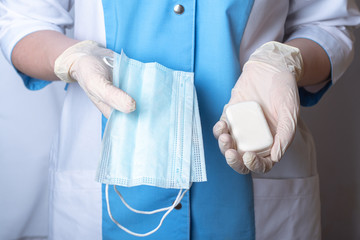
x=270, y=78
x=83, y=62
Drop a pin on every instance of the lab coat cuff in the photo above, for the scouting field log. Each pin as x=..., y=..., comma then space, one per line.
x=33, y=83
x=15, y=34
x=339, y=51
x=10, y=40
x=338, y=48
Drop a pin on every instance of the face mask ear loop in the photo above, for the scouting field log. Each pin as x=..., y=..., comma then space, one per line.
x=109, y=61
x=144, y=212
x=176, y=202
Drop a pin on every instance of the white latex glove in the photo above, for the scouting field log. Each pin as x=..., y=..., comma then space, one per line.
x=83, y=62
x=270, y=78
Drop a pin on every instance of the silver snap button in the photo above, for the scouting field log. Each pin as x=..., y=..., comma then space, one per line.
x=179, y=9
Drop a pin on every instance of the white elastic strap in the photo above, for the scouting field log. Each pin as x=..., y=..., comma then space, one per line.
x=167, y=209
x=109, y=61
x=145, y=212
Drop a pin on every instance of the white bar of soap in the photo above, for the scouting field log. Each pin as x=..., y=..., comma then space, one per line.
x=249, y=128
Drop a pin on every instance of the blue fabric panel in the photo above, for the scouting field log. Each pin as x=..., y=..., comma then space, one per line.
x=308, y=99
x=225, y=202
x=33, y=83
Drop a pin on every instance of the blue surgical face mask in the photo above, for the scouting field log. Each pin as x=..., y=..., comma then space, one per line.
x=160, y=143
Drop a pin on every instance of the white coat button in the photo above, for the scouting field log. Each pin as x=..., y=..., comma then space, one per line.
x=179, y=9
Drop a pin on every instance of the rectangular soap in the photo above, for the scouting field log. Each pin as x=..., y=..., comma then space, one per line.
x=249, y=128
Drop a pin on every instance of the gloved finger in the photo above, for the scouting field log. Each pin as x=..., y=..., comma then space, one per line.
x=256, y=163
x=103, y=107
x=223, y=115
x=105, y=52
x=234, y=160
x=219, y=128
x=285, y=132
x=225, y=142
x=115, y=97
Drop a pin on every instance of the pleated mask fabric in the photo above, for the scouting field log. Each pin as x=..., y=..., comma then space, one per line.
x=160, y=143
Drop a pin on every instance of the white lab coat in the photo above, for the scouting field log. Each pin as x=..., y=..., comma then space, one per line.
x=75, y=199
x=28, y=122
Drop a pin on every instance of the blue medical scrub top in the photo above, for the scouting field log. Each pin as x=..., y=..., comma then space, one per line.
x=204, y=39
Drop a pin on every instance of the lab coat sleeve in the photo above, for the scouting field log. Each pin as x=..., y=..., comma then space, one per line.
x=19, y=18
x=328, y=23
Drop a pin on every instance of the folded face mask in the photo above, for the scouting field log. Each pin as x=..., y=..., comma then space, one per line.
x=160, y=143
